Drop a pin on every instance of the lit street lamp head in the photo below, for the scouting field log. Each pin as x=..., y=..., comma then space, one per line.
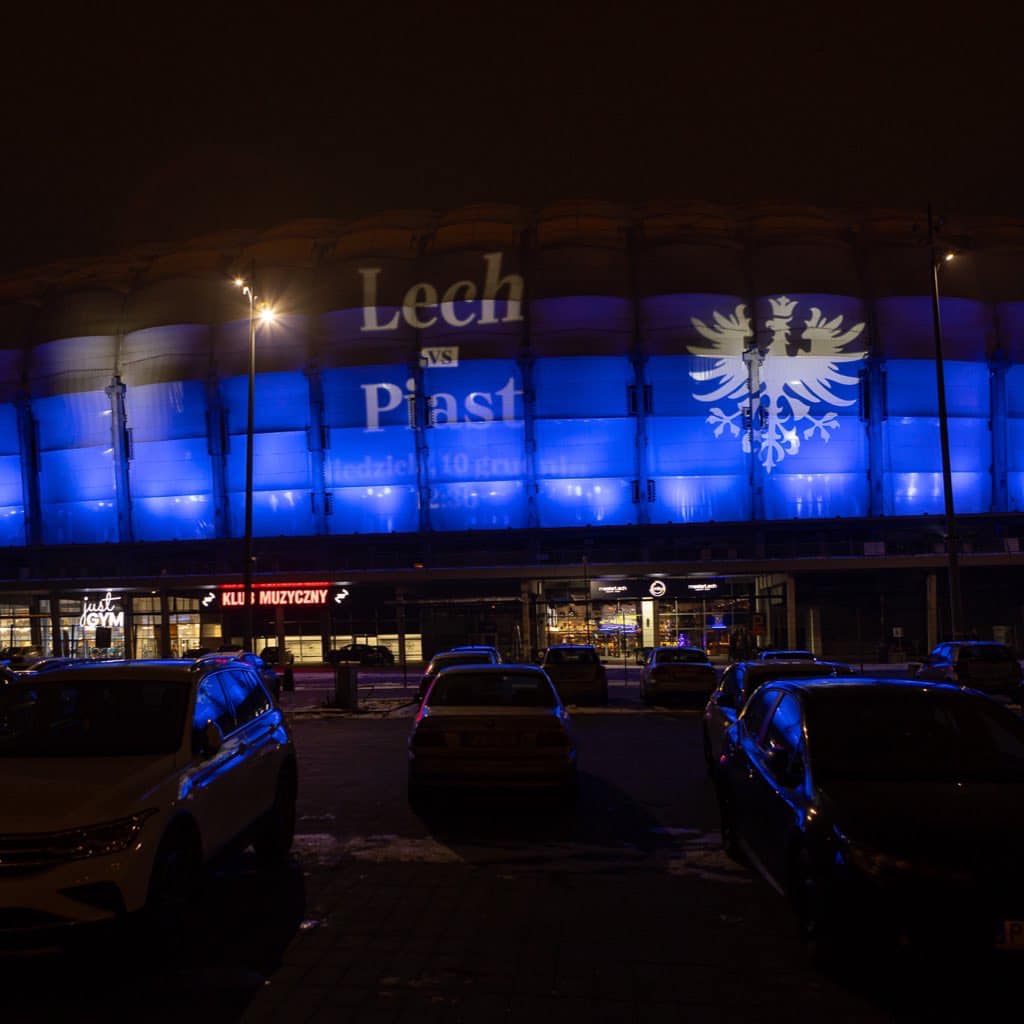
x=267, y=314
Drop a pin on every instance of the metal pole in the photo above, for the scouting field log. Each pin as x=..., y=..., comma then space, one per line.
x=952, y=541
x=248, y=566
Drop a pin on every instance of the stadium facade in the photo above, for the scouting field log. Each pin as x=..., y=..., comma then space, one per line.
x=673, y=423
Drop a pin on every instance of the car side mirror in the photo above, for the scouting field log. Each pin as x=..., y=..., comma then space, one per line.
x=210, y=739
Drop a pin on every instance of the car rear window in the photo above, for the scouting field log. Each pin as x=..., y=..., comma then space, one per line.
x=91, y=717
x=570, y=656
x=492, y=689
x=909, y=735
x=986, y=653
x=680, y=656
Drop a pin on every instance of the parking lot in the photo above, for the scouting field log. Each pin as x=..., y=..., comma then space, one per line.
x=624, y=908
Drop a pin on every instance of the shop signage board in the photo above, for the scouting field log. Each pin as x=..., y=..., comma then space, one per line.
x=107, y=612
x=268, y=595
x=627, y=590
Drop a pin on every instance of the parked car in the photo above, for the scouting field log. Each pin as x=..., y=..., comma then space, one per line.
x=883, y=808
x=446, y=659
x=739, y=681
x=365, y=654
x=486, y=726
x=19, y=657
x=123, y=780
x=277, y=656
x=787, y=655
x=676, y=672
x=980, y=664
x=271, y=680
x=577, y=673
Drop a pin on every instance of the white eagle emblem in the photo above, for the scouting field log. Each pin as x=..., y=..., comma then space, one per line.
x=776, y=387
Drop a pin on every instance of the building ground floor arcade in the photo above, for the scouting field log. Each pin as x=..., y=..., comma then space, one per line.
x=846, y=612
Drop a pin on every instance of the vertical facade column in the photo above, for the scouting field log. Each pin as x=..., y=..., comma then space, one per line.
x=400, y=625
x=55, y=633
x=28, y=445
x=790, y=611
x=874, y=400
x=640, y=403
x=120, y=439
x=316, y=442
x=217, y=446
x=165, y=624
x=753, y=358
x=525, y=362
x=129, y=625
x=526, y=619
x=998, y=367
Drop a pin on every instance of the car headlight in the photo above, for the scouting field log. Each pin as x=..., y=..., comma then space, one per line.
x=100, y=840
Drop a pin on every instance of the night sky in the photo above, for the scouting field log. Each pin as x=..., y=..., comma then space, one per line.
x=121, y=131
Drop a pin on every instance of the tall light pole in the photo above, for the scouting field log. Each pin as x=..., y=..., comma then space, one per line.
x=266, y=316
x=952, y=541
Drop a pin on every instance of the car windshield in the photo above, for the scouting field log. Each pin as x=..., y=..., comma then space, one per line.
x=680, y=656
x=787, y=655
x=571, y=656
x=492, y=689
x=913, y=735
x=91, y=717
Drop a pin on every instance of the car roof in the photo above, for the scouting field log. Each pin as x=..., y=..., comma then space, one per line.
x=571, y=647
x=503, y=669
x=860, y=684
x=971, y=643
x=156, y=669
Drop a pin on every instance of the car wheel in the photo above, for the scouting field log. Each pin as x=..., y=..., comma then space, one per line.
x=274, y=839
x=727, y=826
x=172, y=888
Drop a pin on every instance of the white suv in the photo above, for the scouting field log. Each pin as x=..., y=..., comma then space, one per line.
x=122, y=780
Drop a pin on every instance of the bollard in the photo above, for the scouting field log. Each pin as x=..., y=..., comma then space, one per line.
x=346, y=680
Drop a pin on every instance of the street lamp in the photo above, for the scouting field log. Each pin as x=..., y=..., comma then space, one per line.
x=265, y=314
x=952, y=541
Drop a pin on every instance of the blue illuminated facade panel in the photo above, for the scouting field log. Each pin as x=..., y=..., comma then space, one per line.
x=912, y=448
x=1015, y=437
x=282, y=503
x=586, y=441
x=12, y=502
x=475, y=450
x=76, y=468
x=370, y=460
x=170, y=468
x=537, y=439
x=692, y=472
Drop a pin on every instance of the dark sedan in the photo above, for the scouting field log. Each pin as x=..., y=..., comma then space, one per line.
x=739, y=681
x=884, y=809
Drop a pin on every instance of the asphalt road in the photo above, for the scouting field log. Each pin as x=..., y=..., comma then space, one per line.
x=622, y=909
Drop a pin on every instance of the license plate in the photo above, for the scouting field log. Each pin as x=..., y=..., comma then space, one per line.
x=1012, y=935
x=496, y=739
